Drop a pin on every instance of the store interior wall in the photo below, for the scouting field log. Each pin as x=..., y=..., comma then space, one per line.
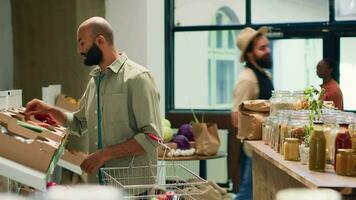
x=6, y=49
x=139, y=31
x=45, y=46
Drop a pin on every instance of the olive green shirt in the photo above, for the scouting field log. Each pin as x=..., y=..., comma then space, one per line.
x=129, y=105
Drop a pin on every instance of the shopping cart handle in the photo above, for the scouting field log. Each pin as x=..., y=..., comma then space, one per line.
x=154, y=137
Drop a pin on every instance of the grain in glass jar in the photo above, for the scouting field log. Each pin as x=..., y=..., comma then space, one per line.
x=280, y=100
x=291, y=149
x=345, y=162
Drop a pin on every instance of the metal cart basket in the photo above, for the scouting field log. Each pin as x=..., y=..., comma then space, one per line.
x=174, y=181
x=136, y=184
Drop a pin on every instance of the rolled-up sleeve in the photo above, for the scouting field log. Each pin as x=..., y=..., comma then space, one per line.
x=77, y=121
x=145, y=105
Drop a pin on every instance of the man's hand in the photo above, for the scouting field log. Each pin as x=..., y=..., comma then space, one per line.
x=36, y=106
x=93, y=162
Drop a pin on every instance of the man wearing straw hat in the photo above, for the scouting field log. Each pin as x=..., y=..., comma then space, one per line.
x=254, y=82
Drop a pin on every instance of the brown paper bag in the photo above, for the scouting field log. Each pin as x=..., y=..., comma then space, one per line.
x=206, y=138
x=252, y=114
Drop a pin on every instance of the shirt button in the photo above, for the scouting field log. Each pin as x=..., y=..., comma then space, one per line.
x=96, y=112
x=96, y=143
x=96, y=95
x=96, y=127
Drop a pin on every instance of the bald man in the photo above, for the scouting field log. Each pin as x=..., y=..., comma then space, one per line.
x=119, y=107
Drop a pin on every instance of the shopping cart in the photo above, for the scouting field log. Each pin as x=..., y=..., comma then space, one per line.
x=173, y=181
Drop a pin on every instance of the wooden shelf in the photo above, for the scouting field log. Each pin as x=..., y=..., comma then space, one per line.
x=300, y=172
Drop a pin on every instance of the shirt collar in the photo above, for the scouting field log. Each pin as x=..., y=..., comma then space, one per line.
x=114, y=67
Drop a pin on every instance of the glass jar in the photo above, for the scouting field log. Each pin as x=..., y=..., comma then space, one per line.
x=330, y=130
x=299, y=100
x=278, y=128
x=342, y=141
x=352, y=131
x=317, y=150
x=283, y=133
x=280, y=100
x=345, y=162
x=297, y=125
x=266, y=130
x=291, y=149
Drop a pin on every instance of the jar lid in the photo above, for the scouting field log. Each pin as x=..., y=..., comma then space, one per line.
x=345, y=151
x=318, y=129
x=292, y=140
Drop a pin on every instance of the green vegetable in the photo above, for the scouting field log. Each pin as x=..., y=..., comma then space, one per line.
x=37, y=129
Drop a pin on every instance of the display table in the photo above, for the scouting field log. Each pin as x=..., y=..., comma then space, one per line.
x=202, y=161
x=272, y=173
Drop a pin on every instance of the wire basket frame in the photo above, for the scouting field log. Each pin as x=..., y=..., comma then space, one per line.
x=151, y=181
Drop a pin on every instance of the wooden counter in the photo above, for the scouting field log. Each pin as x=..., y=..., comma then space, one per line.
x=272, y=173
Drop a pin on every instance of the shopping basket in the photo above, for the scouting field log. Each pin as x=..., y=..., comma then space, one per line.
x=146, y=182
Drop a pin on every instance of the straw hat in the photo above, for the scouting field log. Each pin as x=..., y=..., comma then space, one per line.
x=246, y=36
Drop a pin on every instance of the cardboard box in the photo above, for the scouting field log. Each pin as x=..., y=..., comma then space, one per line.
x=10, y=99
x=35, y=150
x=72, y=160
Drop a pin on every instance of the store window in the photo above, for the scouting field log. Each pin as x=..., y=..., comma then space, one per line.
x=222, y=55
x=345, y=10
x=204, y=11
x=295, y=63
x=206, y=66
x=289, y=11
x=203, y=61
x=348, y=71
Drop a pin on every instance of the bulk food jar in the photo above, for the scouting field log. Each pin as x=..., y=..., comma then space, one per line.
x=267, y=130
x=345, y=162
x=352, y=131
x=330, y=130
x=317, y=150
x=279, y=128
x=280, y=100
x=342, y=140
x=299, y=100
x=291, y=149
x=297, y=124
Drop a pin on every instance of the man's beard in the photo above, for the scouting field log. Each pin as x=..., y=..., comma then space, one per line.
x=265, y=61
x=93, y=56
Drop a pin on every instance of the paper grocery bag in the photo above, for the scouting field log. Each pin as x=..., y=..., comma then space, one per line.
x=252, y=114
x=206, y=138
